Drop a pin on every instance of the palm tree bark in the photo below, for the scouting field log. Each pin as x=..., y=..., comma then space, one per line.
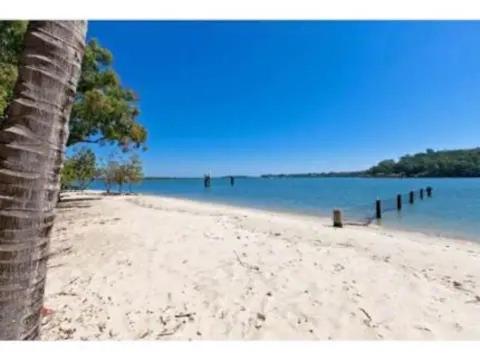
x=32, y=143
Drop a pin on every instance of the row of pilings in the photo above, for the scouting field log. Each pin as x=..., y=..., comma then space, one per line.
x=379, y=207
x=207, y=181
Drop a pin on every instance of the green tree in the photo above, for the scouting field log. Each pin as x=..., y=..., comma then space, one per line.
x=68, y=176
x=120, y=171
x=104, y=111
x=79, y=169
x=108, y=173
x=120, y=176
x=134, y=170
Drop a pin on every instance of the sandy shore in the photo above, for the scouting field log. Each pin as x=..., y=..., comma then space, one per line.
x=144, y=267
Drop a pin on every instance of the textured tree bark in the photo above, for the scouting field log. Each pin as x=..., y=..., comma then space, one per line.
x=32, y=143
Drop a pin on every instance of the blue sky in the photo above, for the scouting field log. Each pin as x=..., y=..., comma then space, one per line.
x=288, y=97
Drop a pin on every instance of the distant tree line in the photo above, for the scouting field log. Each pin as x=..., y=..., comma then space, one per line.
x=445, y=163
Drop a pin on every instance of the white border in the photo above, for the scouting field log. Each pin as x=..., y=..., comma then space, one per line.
x=240, y=9
x=244, y=9
x=242, y=351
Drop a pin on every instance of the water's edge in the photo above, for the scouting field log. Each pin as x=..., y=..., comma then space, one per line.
x=320, y=214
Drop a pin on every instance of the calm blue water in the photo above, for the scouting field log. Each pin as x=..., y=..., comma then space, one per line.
x=454, y=209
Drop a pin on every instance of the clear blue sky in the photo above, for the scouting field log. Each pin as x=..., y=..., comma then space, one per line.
x=286, y=97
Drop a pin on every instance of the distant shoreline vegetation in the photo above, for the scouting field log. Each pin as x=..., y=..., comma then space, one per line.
x=460, y=163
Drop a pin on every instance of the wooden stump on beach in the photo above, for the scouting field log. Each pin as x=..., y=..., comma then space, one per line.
x=337, y=218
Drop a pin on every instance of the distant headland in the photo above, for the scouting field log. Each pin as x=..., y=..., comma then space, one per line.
x=443, y=163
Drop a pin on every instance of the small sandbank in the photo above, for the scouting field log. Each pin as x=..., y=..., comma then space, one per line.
x=155, y=268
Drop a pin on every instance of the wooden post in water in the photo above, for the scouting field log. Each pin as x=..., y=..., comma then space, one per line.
x=232, y=181
x=399, y=202
x=206, y=181
x=411, y=197
x=429, y=191
x=378, y=208
x=337, y=218
x=421, y=193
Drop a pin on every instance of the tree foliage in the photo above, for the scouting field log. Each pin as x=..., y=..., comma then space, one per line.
x=104, y=111
x=79, y=170
x=447, y=163
x=11, y=46
x=108, y=172
x=134, y=170
x=121, y=172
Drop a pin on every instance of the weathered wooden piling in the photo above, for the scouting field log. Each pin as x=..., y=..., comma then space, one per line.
x=421, y=193
x=399, y=202
x=206, y=181
x=337, y=218
x=411, y=197
x=378, y=209
x=429, y=191
x=232, y=181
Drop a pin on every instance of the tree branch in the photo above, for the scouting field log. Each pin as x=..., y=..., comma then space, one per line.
x=90, y=141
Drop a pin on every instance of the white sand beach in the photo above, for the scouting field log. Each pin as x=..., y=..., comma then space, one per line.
x=154, y=268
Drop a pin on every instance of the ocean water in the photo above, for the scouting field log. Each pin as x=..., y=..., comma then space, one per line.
x=453, y=210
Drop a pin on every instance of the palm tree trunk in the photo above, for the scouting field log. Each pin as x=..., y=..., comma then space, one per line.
x=32, y=143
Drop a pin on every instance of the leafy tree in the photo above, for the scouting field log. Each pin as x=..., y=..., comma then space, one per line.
x=134, y=170
x=119, y=171
x=111, y=174
x=104, y=111
x=79, y=169
x=120, y=176
x=108, y=173
x=68, y=176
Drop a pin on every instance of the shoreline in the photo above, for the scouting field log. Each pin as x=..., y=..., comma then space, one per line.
x=158, y=268
x=323, y=217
